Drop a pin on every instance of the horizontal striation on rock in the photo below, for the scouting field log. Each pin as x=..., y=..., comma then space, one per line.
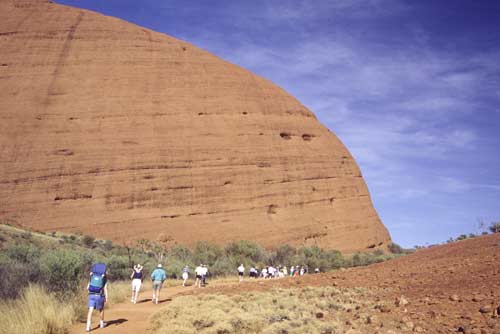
x=117, y=131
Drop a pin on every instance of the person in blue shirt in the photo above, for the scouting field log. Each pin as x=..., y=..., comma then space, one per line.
x=158, y=276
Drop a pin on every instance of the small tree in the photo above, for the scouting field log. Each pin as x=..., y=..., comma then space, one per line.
x=494, y=227
x=158, y=248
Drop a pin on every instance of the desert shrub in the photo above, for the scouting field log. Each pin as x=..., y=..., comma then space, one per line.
x=283, y=254
x=223, y=266
x=107, y=245
x=181, y=253
x=174, y=268
x=206, y=253
x=15, y=276
x=245, y=251
x=88, y=241
x=119, y=267
x=394, y=248
x=62, y=269
x=23, y=253
x=334, y=259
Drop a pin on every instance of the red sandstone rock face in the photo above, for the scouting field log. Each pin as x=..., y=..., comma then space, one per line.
x=117, y=131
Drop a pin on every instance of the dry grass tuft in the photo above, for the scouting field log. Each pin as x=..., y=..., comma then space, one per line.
x=286, y=311
x=36, y=312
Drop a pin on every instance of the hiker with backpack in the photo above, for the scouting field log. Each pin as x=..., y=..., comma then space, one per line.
x=98, y=293
x=136, y=282
x=158, y=276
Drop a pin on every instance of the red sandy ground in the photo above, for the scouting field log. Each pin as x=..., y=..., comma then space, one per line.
x=445, y=286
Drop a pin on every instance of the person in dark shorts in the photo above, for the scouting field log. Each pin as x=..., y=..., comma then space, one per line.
x=241, y=272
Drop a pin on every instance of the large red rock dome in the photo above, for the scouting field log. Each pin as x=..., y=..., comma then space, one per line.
x=120, y=132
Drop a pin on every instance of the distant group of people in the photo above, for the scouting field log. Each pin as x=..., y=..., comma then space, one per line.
x=273, y=272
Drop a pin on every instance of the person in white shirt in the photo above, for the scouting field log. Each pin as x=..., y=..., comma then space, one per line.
x=185, y=275
x=241, y=272
x=204, y=273
x=199, y=273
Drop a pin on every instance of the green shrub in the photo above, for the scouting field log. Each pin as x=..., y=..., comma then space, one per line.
x=223, y=267
x=119, y=267
x=181, y=253
x=62, y=270
x=245, y=251
x=206, y=253
x=15, y=276
x=23, y=253
x=283, y=255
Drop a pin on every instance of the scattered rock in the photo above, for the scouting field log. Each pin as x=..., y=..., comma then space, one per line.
x=485, y=309
x=319, y=315
x=418, y=329
x=409, y=324
x=401, y=301
x=477, y=299
x=454, y=298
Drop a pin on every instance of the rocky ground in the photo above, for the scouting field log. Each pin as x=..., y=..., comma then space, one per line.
x=444, y=289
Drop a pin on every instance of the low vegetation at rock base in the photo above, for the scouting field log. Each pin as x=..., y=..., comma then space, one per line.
x=61, y=263
x=43, y=279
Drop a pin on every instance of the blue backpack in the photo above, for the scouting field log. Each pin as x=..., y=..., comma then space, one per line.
x=97, y=278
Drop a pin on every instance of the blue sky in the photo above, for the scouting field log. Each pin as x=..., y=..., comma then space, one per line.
x=411, y=87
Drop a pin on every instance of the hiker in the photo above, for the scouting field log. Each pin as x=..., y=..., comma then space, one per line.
x=198, y=272
x=316, y=271
x=253, y=272
x=98, y=293
x=158, y=276
x=185, y=275
x=292, y=270
x=204, y=273
x=136, y=277
x=241, y=272
x=285, y=271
